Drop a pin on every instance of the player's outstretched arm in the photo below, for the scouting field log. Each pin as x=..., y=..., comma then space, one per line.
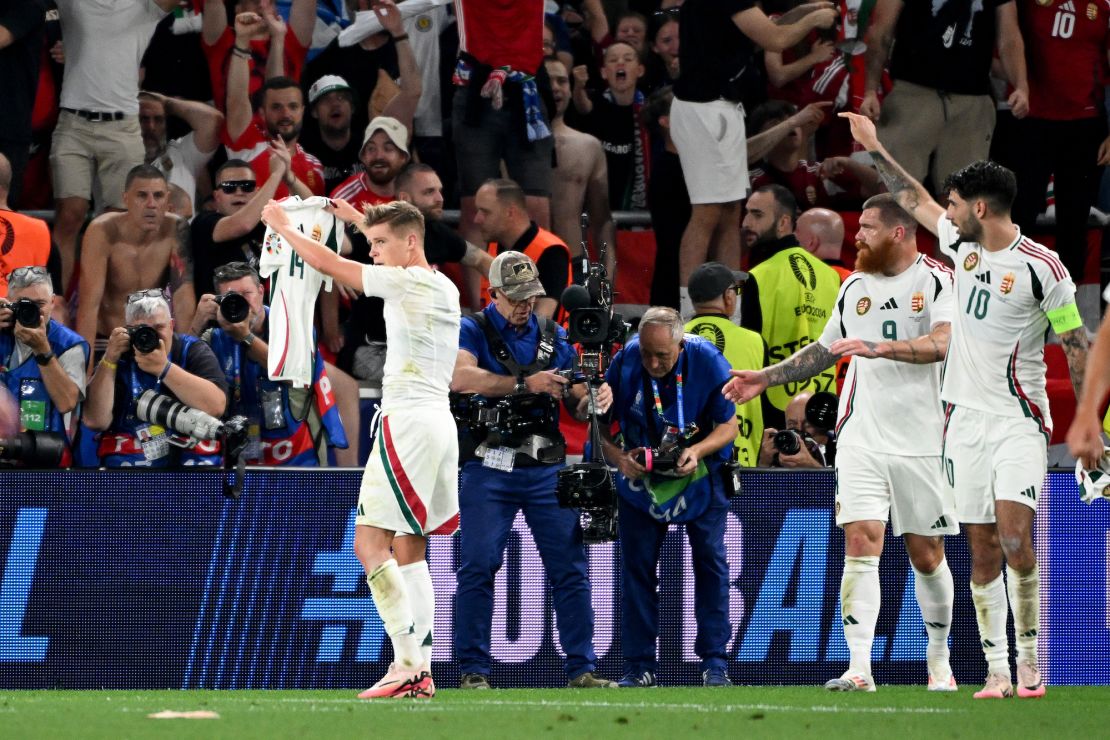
x=1085, y=434
x=919, y=351
x=316, y=255
x=909, y=193
x=805, y=363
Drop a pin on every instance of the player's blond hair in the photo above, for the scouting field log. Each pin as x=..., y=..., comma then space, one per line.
x=401, y=216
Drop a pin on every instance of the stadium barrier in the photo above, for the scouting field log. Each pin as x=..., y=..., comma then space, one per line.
x=144, y=579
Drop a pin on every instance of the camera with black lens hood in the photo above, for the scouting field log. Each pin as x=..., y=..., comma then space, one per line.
x=33, y=450
x=144, y=338
x=26, y=312
x=233, y=307
x=820, y=414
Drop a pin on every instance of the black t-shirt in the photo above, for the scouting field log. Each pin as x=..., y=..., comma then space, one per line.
x=714, y=55
x=948, y=49
x=338, y=165
x=209, y=254
x=19, y=65
x=359, y=68
x=442, y=243
x=201, y=362
x=615, y=127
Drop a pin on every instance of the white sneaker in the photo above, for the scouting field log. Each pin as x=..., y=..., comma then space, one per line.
x=998, y=686
x=851, y=682
x=945, y=684
x=1030, y=685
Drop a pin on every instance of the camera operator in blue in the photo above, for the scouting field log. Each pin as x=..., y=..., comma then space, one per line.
x=672, y=458
x=509, y=356
x=177, y=365
x=289, y=426
x=42, y=366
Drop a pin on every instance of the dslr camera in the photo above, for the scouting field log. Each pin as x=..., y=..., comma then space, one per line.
x=33, y=450
x=144, y=339
x=26, y=312
x=820, y=413
x=233, y=307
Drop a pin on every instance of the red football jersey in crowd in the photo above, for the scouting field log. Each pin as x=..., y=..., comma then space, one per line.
x=502, y=33
x=219, y=54
x=356, y=191
x=253, y=146
x=1065, y=53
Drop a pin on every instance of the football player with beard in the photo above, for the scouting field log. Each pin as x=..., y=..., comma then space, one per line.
x=895, y=310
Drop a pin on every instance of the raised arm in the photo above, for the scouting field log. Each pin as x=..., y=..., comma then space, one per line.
x=316, y=255
x=880, y=40
x=595, y=19
x=909, y=193
x=779, y=37
x=931, y=347
x=203, y=119
x=807, y=119
x=213, y=21
x=1011, y=53
x=239, y=110
x=275, y=59
x=246, y=218
x=302, y=20
x=401, y=106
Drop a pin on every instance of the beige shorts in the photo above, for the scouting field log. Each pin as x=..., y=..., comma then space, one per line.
x=86, y=151
x=713, y=149
x=917, y=122
x=911, y=490
x=411, y=483
x=988, y=458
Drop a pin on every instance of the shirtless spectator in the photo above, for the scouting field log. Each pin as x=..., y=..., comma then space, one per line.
x=581, y=182
x=138, y=249
x=272, y=49
x=280, y=115
x=181, y=160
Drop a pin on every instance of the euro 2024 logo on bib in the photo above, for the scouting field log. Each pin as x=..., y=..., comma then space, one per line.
x=863, y=305
x=971, y=261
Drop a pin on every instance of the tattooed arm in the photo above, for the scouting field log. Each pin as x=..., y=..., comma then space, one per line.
x=182, y=292
x=920, y=351
x=909, y=193
x=1074, y=342
x=805, y=363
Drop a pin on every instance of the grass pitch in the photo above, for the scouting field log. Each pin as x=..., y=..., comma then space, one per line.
x=672, y=713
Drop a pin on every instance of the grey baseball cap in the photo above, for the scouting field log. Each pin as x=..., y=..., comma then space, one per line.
x=709, y=281
x=515, y=274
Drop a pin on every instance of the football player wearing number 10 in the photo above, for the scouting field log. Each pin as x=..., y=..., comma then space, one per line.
x=889, y=432
x=1008, y=291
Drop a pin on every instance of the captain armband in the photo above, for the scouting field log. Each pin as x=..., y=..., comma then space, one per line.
x=1064, y=318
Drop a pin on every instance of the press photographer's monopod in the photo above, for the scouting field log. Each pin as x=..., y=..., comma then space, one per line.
x=588, y=486
x=193, y=425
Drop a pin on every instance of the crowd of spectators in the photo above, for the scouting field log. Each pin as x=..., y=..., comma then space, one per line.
x=156, y=130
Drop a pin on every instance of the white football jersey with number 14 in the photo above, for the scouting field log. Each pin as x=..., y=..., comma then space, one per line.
x=1005, y=302
x=293, y=289
x=888, y=406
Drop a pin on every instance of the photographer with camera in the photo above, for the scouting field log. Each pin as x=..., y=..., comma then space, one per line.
x=147, y=354
x=677, y=432
x=42, y=363
x=511, y=359
x=808, y=441
x=291, y=426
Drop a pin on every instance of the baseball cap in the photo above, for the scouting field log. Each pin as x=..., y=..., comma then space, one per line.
x=325, y=85
x=396, y=131
x=515, y=274
x=711, y=280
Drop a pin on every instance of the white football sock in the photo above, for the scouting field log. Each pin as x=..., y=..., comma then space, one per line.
x=418, y=585
x=860, y=597
x=934, y=593
x=388, y=589
x=990, y=613
x=1025, y=603
x=685, y=305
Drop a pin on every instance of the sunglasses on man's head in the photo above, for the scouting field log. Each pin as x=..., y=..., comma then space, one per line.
x=230, y=187
x=24, y=271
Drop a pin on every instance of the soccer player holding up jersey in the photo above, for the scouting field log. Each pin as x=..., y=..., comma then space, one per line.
x=1008, y=291
x=897, y=306
x=411, y=482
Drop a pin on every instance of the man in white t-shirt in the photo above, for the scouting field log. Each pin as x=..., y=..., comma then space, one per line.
x=97, y=139
x=896, y=307
x=182, y=160
x=411, y=482
x=1009, y=291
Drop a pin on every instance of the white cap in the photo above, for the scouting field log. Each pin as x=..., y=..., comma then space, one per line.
x=325, y=85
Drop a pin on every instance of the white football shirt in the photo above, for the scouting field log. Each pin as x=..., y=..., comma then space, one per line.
x=293, y=289
x=889, y=406
x=422, y=334
x=995, y=360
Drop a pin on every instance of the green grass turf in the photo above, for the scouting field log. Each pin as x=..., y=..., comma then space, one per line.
x=894, y=712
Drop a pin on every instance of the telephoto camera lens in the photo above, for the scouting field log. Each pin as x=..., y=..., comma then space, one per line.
x=144, y=339
x=788, y=442
x=26, y=313
x=233, y=307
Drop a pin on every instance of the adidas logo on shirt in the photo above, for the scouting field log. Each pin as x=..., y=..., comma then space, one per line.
x=984, y=277
x=890, y=304
x=1068, y=7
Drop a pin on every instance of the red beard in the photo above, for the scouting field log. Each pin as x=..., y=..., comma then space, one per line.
x=875, y=258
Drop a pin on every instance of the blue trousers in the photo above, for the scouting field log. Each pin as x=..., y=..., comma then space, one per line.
x=641, y=537
x=488, y=503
